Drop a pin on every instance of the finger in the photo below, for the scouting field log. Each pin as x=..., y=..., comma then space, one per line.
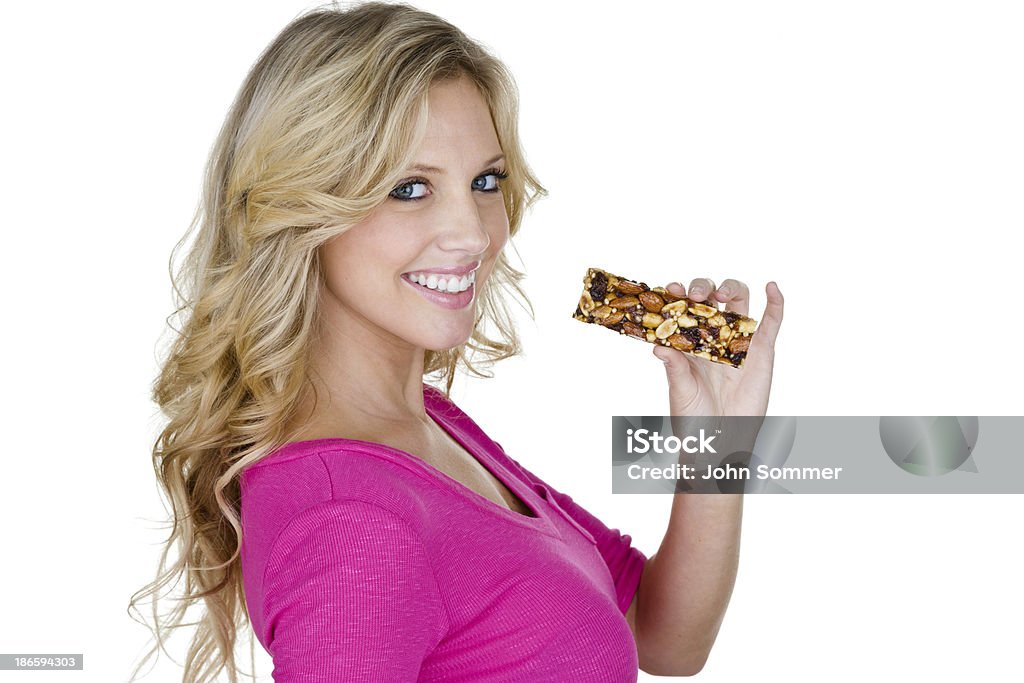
x=735, y=295
x=676, y=288
x=768, y=328
x=700, y=289
x=679, y=370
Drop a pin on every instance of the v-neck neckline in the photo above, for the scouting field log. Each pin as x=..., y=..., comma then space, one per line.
x=478, y=451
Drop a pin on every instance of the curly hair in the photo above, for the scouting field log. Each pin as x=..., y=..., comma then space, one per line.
x=323, y=124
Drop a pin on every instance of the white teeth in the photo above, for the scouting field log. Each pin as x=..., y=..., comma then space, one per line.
x=451, y=284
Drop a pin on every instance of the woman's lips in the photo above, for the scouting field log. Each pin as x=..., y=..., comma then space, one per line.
x=449, y=300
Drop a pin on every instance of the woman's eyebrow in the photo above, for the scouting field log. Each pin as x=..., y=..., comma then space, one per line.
x=422, y=168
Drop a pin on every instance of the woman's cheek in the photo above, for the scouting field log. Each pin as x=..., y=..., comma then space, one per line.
x=499, y=233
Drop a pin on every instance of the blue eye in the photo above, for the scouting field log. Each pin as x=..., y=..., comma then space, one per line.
x=488, y=182
x=407, y=190
x=417, y=188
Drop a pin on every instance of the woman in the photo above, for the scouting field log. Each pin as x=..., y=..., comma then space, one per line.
x=356, y=208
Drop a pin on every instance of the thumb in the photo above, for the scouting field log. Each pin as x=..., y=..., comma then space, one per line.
x=681, y=379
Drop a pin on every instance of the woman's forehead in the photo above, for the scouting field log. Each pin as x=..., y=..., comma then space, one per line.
x=458, y=118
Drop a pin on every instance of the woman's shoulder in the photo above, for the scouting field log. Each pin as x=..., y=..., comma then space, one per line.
x=304, y=474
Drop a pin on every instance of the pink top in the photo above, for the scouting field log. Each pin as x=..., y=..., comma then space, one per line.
x=362, y=563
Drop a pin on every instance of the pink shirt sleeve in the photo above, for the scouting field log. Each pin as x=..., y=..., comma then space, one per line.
x=625, y=562
x=349, y=595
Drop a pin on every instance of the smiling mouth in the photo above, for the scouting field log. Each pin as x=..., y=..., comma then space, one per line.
x=442, y=283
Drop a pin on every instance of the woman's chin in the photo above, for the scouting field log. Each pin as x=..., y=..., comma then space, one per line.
x=446, y=342
x=447, y=346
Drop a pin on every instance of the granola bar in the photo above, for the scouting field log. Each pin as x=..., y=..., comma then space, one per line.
x=655, y=315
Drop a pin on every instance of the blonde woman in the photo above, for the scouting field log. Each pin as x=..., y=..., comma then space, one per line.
x=356, y=207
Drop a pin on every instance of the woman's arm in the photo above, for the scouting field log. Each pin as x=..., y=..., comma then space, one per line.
x=686, y=585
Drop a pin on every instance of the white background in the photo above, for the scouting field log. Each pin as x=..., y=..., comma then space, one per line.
x=866, y=156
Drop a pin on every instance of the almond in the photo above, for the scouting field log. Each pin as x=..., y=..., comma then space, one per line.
x=634, y=330
x=624, y=302
x=651, y=301
x=680, y=342
x=626, y=287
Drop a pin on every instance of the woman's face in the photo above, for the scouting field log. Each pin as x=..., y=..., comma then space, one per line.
x=409, y=272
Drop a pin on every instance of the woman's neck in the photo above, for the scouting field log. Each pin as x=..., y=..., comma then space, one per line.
x=364, y=383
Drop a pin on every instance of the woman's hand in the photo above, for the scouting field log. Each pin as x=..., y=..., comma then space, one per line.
x=699, y=387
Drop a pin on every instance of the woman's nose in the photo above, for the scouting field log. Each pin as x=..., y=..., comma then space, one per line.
x=464, y=226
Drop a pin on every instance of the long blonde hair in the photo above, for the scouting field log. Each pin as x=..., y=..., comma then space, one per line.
x=324, y=122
